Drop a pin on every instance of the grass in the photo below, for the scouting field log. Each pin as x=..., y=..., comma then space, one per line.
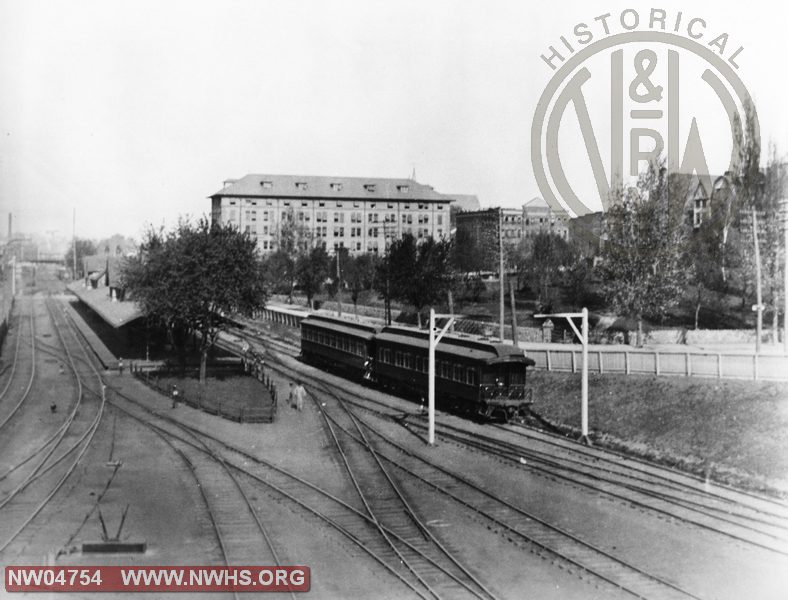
x=230, y=394
x=736, y=431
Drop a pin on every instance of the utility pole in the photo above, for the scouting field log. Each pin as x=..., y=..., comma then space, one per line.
x=583, y=335
x=339, y=285
x=434, y=339
x=74, y=242
x=785, y=274
x=500, y=266
x=758, y=298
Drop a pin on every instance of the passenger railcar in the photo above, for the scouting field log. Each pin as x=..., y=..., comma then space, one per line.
x=471, y=374
x=338, y=344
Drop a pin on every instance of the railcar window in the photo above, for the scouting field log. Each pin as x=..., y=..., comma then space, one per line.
x=398, y=359
x=408, y=363
x=517, y=376
x=387, y=356
x=470, y=377
x=445, y=370
x=457, y=373
x=320, y=338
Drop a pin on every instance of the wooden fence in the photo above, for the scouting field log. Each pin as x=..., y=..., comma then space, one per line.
x=735, y=365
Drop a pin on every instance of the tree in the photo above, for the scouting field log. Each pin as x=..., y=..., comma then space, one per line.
x=704, y=260
x=311, y=272
x=84, y=248
x=418, y=274
x=642, y=268
x=544, y=266
x=191, y=277
x=770, y=232
x=280, y=272
x=359, y=274
x=576, y=274
x=744, y=181
x=293, y=242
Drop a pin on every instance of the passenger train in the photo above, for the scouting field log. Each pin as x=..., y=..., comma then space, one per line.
x=472, y=374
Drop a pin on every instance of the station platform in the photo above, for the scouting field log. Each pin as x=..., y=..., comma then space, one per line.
x=107, y=359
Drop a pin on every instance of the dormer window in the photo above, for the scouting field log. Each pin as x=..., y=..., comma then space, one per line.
x=336, y=187
x=267, y=185
x=403, y=189
x=301, y=185
x=370, y=187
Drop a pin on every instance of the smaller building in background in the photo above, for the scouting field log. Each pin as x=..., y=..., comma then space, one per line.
x=538, y=217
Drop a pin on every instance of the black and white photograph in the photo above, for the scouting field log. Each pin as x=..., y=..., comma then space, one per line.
x=393, y=299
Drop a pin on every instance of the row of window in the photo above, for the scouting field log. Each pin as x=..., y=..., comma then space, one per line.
x=335, y=340
x=338, y=204
x=416, y=362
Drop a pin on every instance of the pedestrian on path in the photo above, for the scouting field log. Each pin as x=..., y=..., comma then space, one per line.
x=300, y=395
x=120, y=365
x=291, y=396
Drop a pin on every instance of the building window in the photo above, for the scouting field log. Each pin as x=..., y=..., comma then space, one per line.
x=267, y=185
x=439, y=220
x=301, y=185
x=336, y=187
x=370, y=187
x=390, y=205
x=403, y=189
x=339, y=204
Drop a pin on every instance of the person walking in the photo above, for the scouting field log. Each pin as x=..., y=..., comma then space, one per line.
x=120, y=365
x=300, y=395
x=291, y=402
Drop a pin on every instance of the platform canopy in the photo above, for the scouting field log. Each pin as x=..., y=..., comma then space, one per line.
x=116, y=313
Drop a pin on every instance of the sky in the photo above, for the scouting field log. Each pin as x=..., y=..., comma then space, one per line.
x=133, y=112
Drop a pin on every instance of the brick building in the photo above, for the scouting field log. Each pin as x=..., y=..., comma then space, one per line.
x=361, y=214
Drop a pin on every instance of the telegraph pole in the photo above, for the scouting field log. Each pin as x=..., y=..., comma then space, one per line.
x=500, y=266
x=434, y=339
x=758, y=297
x=785, y=274
x=339, y=285
x=583, y=335
x=74, y=242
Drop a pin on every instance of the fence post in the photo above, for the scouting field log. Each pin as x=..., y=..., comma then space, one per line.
x=755, y=366
x=599, y=355
x=688, y=364
x=626, y=361
x=574, y=364
x=656, y=361
x=549, y=364
x=719, y=365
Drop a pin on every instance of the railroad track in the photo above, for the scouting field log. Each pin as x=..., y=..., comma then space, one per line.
x=35, y=484
x=431, y=564
x=314, y=501
x=9, y=407
x=739, y=515
x=516, y=524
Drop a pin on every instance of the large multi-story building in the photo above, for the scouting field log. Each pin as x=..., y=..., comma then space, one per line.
x=361, y=214
x=538, y=217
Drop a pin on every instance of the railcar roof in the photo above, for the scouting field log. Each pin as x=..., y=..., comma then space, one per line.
x=360, y=330
x=450, y=344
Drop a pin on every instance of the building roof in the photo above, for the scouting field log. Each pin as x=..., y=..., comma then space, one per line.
x=103, y=262
x=466, y=202
x=311, y=186
x=536, y=202
x=113, y=312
